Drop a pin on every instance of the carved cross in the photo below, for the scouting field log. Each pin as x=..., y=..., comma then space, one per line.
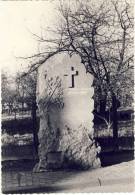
x=73, y=74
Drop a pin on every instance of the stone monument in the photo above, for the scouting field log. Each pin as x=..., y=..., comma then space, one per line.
x=64, y=98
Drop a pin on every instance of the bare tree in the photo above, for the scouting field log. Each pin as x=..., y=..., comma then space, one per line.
x=9, y=95
x=102, y=35
x=4, y=90
x=26, y=86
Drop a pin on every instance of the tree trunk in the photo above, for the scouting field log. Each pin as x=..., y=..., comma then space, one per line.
x=102, y=106
x=22, y=107
x=115, y=121
x=15, y=114
x=34, y=122
x=103, y=96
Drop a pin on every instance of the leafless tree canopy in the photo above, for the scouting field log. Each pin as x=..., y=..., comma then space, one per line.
x=101, y=34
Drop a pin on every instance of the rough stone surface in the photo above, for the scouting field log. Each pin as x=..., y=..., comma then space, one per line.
x=64, y=97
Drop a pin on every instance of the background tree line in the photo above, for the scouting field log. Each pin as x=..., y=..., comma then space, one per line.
x=19, y=97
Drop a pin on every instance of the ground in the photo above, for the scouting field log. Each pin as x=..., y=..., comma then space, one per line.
x=116, y=178
x=18, y=177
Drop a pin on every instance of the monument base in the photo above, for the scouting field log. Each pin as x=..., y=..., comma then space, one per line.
x=75, y=150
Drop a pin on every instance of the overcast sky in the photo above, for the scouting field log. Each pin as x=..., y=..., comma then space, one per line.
x=17, y=19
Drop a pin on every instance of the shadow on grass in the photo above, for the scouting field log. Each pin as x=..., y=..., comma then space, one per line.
x=48, y=189
x=47, y=182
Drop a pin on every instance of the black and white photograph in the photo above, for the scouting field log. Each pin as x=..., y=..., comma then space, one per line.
x=67, y=96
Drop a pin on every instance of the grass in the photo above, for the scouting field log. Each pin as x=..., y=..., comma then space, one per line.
x=16, y=139
x=125, y=129
x=19, y=131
